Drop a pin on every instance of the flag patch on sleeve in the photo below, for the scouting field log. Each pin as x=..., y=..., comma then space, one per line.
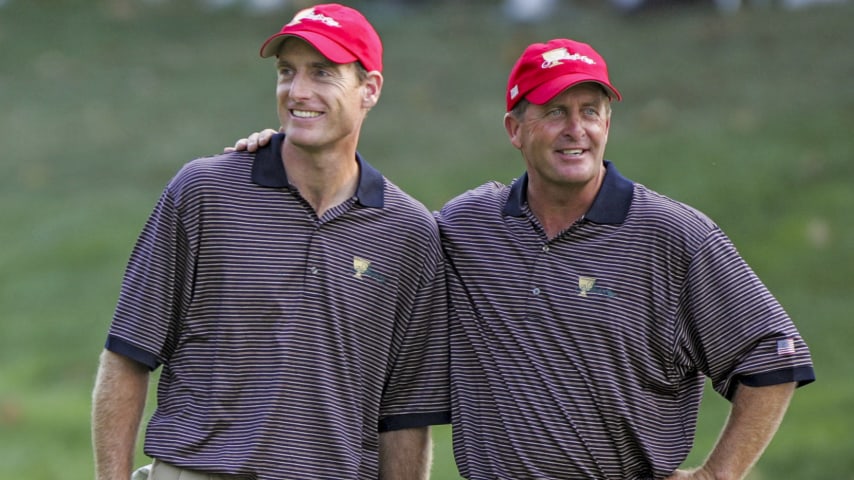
x=785, y=346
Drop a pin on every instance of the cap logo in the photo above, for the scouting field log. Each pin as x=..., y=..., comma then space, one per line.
x=553, y=58
x=514, y=91
x=310, y=14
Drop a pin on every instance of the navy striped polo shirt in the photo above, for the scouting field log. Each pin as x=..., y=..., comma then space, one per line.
x=584, y=356
x=287, y=341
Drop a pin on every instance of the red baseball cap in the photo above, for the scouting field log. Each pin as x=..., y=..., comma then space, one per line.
x=546, y=69
x=340, y=33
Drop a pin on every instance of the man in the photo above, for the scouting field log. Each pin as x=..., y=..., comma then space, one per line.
x=587, y=310
x=590, y=308
x=296, y=339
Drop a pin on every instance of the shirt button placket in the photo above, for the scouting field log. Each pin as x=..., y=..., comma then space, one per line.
x=536, y=290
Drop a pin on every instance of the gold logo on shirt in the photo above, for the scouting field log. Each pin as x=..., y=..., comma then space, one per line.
x=360, y=266
x=585, y=284
x=364, y=268
x=587, y=288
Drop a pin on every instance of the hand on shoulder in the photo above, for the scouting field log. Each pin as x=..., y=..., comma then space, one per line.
x=253, y=142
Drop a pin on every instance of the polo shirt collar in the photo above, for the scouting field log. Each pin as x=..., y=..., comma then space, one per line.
x=611, y=205
x=268, y=170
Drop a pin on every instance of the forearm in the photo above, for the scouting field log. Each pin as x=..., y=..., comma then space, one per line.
x=406, y=454
x=754, y=419
x=118, y=401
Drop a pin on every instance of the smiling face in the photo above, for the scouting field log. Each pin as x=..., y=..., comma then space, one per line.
x=563, y=141
x=321, y=104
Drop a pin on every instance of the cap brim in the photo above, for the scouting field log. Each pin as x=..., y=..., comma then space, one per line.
x=548, y=90
x=328, y=48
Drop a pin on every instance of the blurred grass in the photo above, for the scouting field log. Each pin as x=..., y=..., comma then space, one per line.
x=747, y=117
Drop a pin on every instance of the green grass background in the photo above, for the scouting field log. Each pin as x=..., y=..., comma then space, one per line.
x=749, y=118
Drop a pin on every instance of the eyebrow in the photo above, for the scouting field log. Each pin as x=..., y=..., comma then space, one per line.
x=595, y=99
x=592, y=102
x=318, y=64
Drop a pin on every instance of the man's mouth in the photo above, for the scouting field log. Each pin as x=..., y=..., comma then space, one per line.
x=304, y=114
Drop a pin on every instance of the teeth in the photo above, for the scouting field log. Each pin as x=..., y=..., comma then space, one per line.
x=305, y=114
x=574, y=151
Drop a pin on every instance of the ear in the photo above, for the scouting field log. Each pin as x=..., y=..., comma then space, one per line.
x=371, y=89
x=608, y=119
x=607, y=122
x=513, y=126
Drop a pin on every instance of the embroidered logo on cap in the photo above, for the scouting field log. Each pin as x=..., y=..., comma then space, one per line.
x=310, y=14
x=553, y=58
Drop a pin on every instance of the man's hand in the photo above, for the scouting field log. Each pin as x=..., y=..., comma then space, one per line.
x=253, y=142
x=693, y=474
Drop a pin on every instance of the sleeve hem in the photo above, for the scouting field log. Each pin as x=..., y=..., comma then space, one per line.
x=122, y=347
x=415, y=420
x=803, y=375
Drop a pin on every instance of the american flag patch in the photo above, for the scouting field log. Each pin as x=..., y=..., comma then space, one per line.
x=785, y=346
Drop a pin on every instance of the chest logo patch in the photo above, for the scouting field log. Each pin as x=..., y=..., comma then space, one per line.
x=362, y=268
x=587, y=286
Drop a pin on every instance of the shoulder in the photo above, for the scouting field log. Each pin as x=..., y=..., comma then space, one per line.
x=660, y=212
x=217, y=170
x=216, y=165
x=486, y=199
x=407, y=211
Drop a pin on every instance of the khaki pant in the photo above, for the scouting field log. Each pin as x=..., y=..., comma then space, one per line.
x=164, y=471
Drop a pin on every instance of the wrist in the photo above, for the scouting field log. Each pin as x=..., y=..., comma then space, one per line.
x=709, y=472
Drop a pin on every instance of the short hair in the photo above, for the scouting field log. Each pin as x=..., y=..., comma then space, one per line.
x=361, y=72
x=518, y=110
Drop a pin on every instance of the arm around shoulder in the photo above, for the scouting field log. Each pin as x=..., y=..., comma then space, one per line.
x=118, y=401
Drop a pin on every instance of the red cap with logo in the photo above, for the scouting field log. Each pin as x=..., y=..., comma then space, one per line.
x=546, y=69
x=341, y=34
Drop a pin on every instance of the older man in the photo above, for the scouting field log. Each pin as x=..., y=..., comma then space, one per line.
x=588, y=309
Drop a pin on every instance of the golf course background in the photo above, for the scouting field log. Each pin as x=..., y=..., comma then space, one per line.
x=748, y=117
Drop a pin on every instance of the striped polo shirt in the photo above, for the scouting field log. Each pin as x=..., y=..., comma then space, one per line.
x=287, y=341
x=584, y=356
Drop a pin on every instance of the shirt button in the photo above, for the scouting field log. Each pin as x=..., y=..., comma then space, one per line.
x=313, y=270
x=535, y=291
x=545, y=248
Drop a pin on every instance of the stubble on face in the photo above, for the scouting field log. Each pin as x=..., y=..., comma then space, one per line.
x=563, y=141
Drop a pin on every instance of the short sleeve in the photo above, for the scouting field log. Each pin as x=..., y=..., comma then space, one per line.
x=732, y=328
x=418, y=390
x=154, y=289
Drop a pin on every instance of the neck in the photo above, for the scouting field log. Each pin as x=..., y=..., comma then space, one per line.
x=324, y=179
x=558, y=207
x=555, y=216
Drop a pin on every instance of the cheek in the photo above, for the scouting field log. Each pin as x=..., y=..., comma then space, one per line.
x=281, y=92
x=283, y=104
x=603, y=131
x=541, y=133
